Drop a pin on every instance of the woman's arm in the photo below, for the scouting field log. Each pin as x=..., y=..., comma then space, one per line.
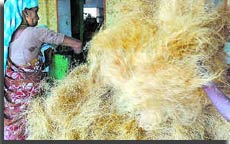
x=74, y=43
x=219, y=100
x=45, y=35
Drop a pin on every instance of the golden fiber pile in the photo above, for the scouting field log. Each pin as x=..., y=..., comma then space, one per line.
x=78, y=109
x=143, y=80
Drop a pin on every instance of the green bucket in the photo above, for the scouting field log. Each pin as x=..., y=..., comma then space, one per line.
x=59, y=66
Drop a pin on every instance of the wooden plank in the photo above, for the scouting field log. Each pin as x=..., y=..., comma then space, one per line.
x=64, y=17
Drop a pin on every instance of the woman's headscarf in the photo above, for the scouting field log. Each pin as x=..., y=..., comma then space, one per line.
x=12, y=19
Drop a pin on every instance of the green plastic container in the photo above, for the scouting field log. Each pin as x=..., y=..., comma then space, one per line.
x=59, y=66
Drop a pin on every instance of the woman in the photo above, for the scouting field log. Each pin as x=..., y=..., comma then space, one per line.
x=23, y=71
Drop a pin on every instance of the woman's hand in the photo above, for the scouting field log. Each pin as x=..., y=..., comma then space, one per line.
x=74, y=43
x=77, y=49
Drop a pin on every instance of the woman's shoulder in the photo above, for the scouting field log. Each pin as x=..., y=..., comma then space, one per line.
x=36, y=29
x=36, y=32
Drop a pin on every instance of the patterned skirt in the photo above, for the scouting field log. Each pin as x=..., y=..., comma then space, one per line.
x=21, y=84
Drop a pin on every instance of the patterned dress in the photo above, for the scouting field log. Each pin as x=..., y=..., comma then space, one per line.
x=21, y=85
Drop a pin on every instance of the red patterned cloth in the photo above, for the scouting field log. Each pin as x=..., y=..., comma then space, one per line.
x=21, y=84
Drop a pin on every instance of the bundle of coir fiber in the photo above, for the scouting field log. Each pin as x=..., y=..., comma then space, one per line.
x=143, y=80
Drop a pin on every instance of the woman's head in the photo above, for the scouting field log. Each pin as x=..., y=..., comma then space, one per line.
x=30, y=16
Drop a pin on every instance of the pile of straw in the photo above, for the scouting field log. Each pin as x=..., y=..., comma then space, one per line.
x=143, y=80
x=79, y=109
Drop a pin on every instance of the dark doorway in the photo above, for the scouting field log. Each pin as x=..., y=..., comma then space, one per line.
x=87, y=17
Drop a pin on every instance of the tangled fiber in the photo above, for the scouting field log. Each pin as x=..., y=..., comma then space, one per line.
x=143, y=78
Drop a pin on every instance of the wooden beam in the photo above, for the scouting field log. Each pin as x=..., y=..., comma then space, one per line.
x=225, y=5
x=81, y=17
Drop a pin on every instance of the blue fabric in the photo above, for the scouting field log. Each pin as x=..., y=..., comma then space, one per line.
x=44, y=47
x=12, y=19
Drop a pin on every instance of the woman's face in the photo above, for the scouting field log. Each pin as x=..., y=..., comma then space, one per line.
x=32, y=16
